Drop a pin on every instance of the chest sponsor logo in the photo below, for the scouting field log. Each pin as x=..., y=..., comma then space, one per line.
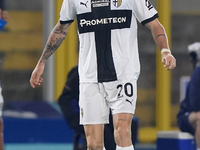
x=105, y=20
x=102, y=21
x=117, y=3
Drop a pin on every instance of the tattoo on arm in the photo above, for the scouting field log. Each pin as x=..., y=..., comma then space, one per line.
x=59, y=31
x=160, y=35
x=57, y=37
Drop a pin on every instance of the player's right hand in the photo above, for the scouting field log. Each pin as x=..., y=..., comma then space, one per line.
x=36, y=78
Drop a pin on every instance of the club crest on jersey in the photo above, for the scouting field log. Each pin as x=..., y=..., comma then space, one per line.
x=117, y=3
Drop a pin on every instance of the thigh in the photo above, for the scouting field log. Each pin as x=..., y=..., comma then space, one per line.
x=93, y=107
x=121, y=95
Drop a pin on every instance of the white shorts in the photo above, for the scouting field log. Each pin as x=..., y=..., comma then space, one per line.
x=96, y=99
x=1, y=102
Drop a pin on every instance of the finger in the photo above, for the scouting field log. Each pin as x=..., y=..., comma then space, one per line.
x=167, y=67
x=172, y=65
x=32, y=84
x=37, y=78
x=40, y=81
x=167, y=62
x=163, y=60
x=34, y=79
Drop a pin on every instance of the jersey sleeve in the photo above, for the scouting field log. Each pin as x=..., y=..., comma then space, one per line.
x=144, y=11
x=68, y=12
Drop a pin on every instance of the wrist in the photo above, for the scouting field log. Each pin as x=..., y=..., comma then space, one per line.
x=164, y=50
x=41, y=63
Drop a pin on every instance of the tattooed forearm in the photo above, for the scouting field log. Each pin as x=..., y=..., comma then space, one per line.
x=160, y=35
x=59, y=31
x=51, y=47
x=55, y=40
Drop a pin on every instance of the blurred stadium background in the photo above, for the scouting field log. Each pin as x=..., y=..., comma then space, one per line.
x=21, y=44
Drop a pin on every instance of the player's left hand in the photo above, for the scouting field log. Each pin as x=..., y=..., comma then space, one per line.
x=168, y=60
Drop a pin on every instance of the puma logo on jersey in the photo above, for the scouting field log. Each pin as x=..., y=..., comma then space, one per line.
x=85, y=4
x=129, y=101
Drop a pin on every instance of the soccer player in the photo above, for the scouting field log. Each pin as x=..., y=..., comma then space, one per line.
x=108, y=61
x=189, y=113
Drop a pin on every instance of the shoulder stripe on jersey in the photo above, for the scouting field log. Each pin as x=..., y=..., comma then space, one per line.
x=149, y=19
x=65, y=22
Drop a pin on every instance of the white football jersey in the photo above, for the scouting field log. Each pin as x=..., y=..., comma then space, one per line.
x=107, y=29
